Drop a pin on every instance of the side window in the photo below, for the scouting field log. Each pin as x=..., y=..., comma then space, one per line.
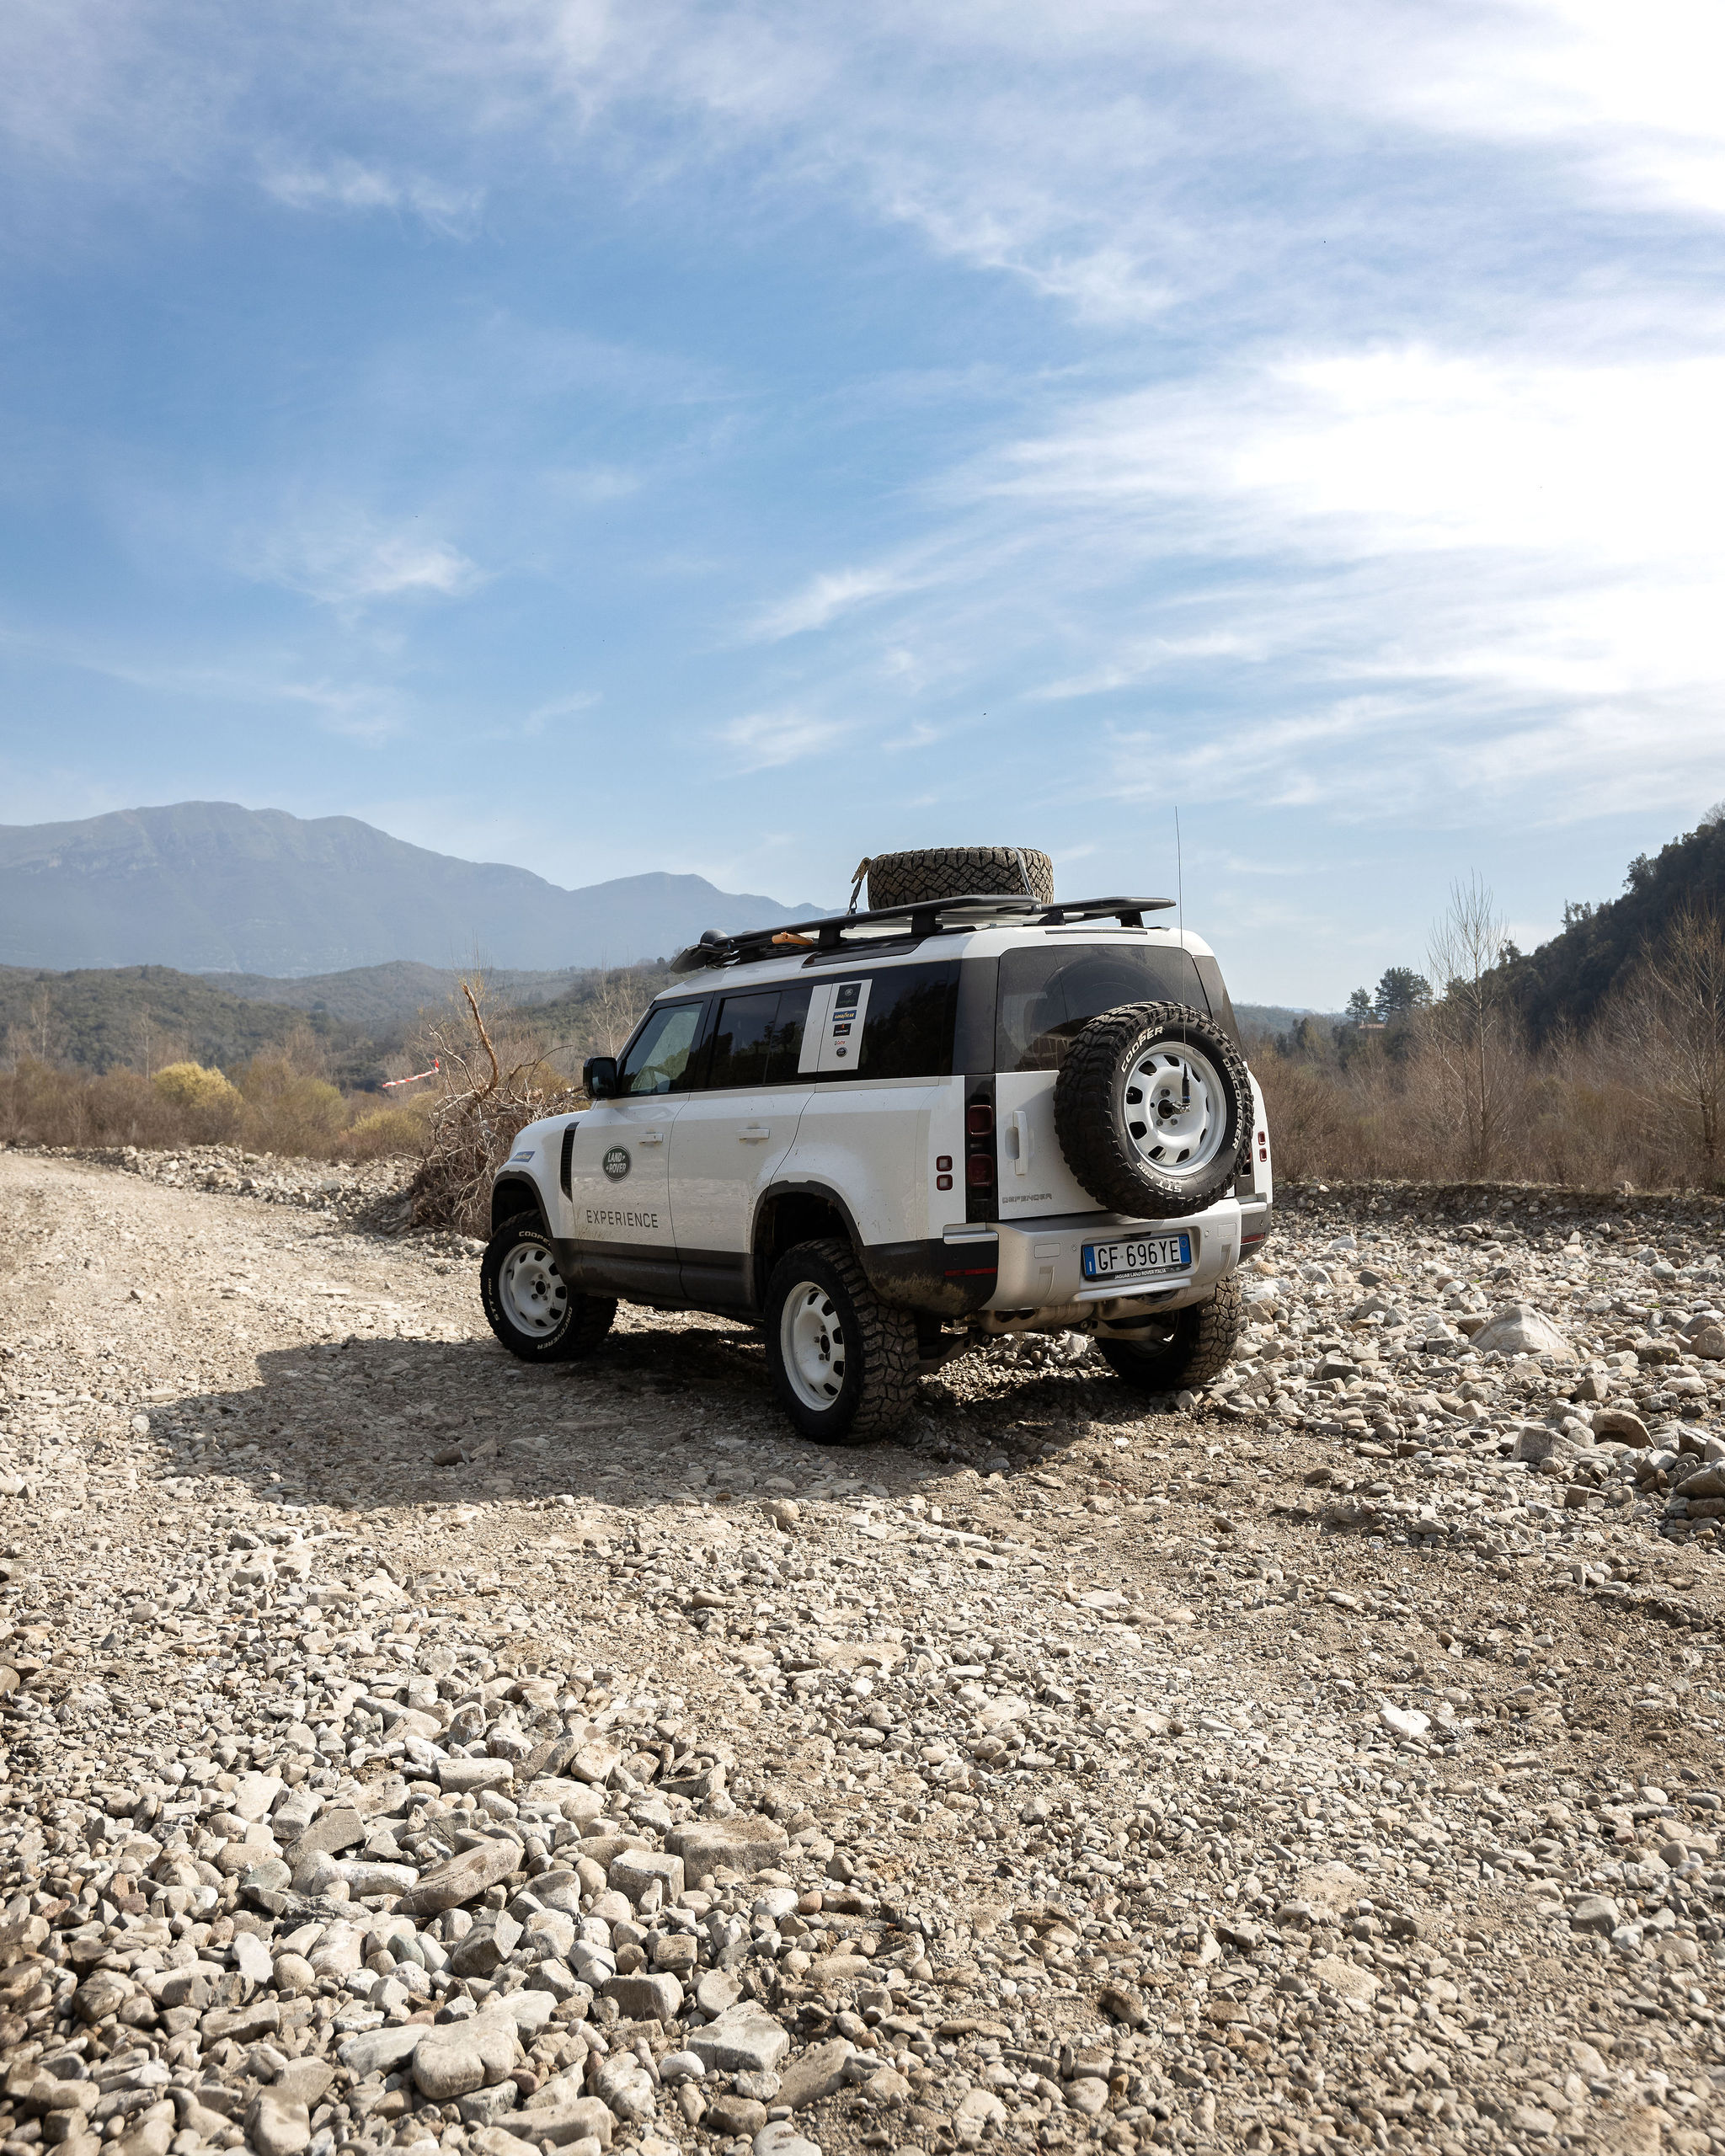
x=1221, y=1004
x=658, y=1060
x=907, y=1027
x=758, y=1038
x=742, y=1040
x=786, y=1051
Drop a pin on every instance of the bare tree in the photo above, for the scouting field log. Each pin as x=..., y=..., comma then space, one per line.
x=621, y=997
x=1469, y=1026
x=44, y=1030
x=492, y=1079
x=1672, y=1022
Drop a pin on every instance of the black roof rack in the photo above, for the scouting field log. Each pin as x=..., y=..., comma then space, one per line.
x=925, y=917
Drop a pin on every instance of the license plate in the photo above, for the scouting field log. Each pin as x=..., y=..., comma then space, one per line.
x=1150, y=1254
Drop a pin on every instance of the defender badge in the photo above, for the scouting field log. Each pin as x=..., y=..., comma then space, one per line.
x=615, y=1163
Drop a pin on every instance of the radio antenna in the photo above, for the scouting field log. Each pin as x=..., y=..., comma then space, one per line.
x=1179, y=879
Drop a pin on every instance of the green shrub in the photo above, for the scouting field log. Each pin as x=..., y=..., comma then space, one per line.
x=384, y=1132
x=190, y=1086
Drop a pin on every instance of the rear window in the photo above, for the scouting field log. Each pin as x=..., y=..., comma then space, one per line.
x=758, y=1038
x=907, y=1029
x=1049, y=992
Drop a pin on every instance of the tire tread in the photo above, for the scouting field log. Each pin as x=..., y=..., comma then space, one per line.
x=958, y=872
x=1202, y=1348
x=887, y=1338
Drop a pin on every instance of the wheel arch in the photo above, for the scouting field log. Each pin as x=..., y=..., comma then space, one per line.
x=791, y=1212
x=513, y=1195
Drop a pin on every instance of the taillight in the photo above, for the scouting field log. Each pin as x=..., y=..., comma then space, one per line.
x=980, y=1173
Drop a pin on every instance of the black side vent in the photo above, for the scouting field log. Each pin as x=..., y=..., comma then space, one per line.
x=569, y=1152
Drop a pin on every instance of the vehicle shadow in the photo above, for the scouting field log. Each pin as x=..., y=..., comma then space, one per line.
x=684, y=1409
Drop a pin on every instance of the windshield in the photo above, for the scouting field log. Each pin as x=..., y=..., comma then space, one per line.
x=1050, y=991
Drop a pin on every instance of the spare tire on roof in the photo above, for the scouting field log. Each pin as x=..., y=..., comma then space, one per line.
x=1153, y=1110
x=960, y=872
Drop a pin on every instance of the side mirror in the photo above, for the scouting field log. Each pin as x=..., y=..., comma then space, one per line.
x=599, y=1077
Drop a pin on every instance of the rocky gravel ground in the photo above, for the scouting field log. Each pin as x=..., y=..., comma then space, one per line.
x=398, y=1746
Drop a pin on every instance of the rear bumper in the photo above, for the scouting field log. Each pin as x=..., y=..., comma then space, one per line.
x=1041, y=1262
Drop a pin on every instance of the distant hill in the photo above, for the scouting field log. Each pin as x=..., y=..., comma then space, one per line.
x=145, y=1016
x=1564, y=982
x=366, y=995
x=1268, y=1019
x=136, y=1015
x=209, y=887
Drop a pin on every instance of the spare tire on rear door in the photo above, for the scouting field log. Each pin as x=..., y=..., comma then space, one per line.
x=1152, y=1110
x=960, y=872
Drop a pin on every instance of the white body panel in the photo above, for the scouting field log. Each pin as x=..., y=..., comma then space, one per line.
x=873, y=1145
x=726, y=1150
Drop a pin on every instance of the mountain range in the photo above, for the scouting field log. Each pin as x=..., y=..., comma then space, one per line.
x=208, y=887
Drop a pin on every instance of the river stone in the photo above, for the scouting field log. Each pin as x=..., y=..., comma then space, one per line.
x=253, y=1795
x=328, y=1834
x=459, y=2056
x=560, y=2112
x=277, y=2126
x=818, y=2073
x=381, y=2051
x=461, y=1777
x=1621, y=1423
x=1518, y=1329
x=743, y=2039
x=460, y=1878
x=780, y=2138
x=745, y=1844
x=646, y=1999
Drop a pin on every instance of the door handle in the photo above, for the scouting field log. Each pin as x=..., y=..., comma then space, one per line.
x=649, y=1137
x=751, y=1134
x=1021, y=1145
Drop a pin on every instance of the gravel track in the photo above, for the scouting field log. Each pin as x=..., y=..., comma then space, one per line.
x=400, y=1747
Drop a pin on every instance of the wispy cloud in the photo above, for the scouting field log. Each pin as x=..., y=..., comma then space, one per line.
x=547, y=714
x=344, y=184
x=823, y=599
x=764, y=740
x=349, y=559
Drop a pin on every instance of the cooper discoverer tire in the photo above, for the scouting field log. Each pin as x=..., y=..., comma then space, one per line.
x=527, y=1303
x=844, y=1363
x=960, y=872
x=1153, y=1110
x=1186, y=1348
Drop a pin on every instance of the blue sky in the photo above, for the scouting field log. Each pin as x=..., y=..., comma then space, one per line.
x=743, y=438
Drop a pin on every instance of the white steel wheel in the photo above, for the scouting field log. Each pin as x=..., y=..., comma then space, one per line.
x=532, y=1290
x=811, y=1336
x=1174, y=1109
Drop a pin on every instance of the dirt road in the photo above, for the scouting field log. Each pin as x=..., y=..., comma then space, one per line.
x=1055, y=1774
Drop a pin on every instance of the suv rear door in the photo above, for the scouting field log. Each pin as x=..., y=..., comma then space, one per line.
x=1049, y=989
x=732, y=1131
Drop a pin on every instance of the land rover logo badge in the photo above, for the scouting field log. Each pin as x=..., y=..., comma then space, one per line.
x=615, y=1163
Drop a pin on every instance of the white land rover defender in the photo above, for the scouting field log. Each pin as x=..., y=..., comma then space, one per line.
x=883, y=1135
